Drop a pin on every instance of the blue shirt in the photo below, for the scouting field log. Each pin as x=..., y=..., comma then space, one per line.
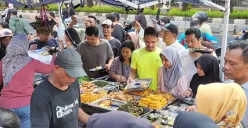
x=209, y=38
x=51, y=42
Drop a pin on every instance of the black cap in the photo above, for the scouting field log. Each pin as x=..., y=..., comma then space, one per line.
x=166, y=20
x=171, y=27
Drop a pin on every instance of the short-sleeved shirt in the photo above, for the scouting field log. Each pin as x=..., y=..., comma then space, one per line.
x=147, y=65
x=51, y=42
x=119, y=68
x=119, y=32
x=93, y=56
x=116, y=46
x=54, y=108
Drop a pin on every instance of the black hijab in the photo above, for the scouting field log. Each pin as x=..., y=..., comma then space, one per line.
x=210, y=66
x=193, y=120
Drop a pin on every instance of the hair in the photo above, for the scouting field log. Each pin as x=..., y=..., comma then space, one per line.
x=54, y=34
x=92, y=31
x=4, y=25
x=52, y=14
x=72, y=34
x=194, y=23
x=13, y=12
x=111, y=17
x=150, y=31
x=117, y=15
x=194, y=31
x=127, y=44
x=8, y=119
x=242, y=44
x=93, y=17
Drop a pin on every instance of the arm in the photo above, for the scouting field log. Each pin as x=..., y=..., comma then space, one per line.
x=40, y=112
x=183, y=88
x=110, y=57
x=82, y=116
x=133, y=73
x=43, y=68
x=160, y=79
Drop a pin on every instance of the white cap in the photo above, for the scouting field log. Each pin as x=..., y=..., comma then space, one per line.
x=107, y=22
x=5, y=32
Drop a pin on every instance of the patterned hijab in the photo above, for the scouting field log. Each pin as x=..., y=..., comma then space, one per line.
x=224, y=103
x=173, y=74
x=16, y=57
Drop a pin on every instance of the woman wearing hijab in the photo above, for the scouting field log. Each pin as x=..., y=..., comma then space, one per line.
x=193, y=120
x=136, y=41
x=117, y=119
x=120, y=68
x=17, y=71
x=207, y=72
x=224, y=103
x=171, y=76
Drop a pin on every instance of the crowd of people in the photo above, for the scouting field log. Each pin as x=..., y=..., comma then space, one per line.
x=125, y=52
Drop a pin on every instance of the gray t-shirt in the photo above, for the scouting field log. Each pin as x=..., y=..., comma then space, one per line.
x=93, y=56
x=116, y=46
x=54, y=108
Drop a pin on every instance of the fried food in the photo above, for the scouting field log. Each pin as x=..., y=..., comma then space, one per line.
x=44, y=53
x=132, y=108
x=87, y=86
x=91, y=97
x=120, y=96
x=141, y=93
x=153, y=101
x=105, y=103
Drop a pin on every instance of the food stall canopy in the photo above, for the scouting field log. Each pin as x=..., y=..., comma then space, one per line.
x=33, y=3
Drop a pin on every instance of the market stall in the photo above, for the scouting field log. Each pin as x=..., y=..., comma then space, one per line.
x=100, y=96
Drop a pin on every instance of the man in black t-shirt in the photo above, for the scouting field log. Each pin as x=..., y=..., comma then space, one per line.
x=118, y=31
x=55, y=103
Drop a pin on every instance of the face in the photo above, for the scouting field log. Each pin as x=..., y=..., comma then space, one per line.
x=234, y=67
x=6, y=40
x=193, y=42
x=200, y=70
x=168, y=36
x=151, y=42
x=62, y=77
x=43, y=37
x=126, y=53
x=90, y=22
x=92, y=39
x=107, y=30
x=165, y=61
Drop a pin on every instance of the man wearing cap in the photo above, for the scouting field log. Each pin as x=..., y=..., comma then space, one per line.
x=95, y=52
x=118, y=30
x=205, y=36
x=107, y=27
x=170, y=32
x=55, y=103
x=16, y=24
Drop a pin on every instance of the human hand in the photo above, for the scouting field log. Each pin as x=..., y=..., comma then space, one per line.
x=187, y=93
x=121, y=78
x=191, y=108
x=30, y=37
x=33, y=47
x=130, y=80
x=107, y=66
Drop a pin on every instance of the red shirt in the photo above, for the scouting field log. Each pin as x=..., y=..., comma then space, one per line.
x=19, y=90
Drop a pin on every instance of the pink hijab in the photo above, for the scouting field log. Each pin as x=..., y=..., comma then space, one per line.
x=135, y=38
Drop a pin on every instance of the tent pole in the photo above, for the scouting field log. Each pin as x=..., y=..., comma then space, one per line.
x=224, y=38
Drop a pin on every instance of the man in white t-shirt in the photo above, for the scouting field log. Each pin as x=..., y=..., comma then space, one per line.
x=193, y=40
x=170, y=32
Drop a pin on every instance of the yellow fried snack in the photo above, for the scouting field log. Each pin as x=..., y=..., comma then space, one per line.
x=91, y=97
x=153, y=101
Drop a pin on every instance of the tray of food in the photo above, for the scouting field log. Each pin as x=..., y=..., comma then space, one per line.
x=120, y=96
x=153, y=101
x=107, y=103
x=97, y=68
x=139, y=85
x=140, y=93
x=87, y=87
x=133, y=108
x=89, y=97
x=100, y=83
